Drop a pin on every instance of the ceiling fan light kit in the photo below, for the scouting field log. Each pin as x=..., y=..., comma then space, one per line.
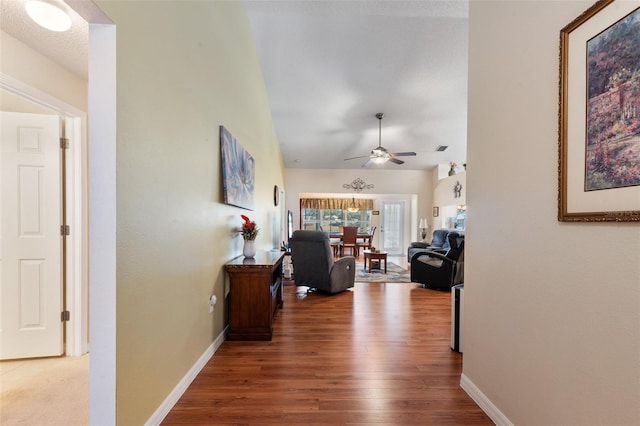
x=380, y=155
x=379, y=160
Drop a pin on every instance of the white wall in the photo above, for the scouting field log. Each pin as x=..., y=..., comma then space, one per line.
x=412, y=186
x=552, y=310
x=30, y=67
x=444, y=197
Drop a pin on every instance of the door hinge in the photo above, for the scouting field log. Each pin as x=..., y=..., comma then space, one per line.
x=65, y=230
x=65, y=316
x=64, y=143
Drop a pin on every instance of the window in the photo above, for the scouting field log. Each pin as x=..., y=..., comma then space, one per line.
x=329, y=214
x=330, y=220
x=461, y=217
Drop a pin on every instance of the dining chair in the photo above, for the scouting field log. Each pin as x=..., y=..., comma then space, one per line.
x=349, y=235
x=367, y=242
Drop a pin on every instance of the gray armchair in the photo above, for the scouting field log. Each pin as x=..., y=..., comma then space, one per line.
x=314, y=265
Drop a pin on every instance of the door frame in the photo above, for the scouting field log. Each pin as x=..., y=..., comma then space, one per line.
x=76, y=262
x=101, y=224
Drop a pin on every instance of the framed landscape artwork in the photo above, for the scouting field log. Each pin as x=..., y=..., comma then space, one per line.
x=238, y=172
x=599, y=147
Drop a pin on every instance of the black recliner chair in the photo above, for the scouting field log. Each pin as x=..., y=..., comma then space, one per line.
x=314, y=265
x=437, y=270
x=438, y=243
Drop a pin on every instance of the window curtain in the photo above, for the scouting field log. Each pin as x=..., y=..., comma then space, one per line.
x=335, y=203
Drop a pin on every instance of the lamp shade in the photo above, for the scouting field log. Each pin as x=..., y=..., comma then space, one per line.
x=422, y=224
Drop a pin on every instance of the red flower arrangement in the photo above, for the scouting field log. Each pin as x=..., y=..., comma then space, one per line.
x=249, y=229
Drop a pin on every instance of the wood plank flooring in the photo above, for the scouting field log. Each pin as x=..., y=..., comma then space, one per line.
x=377, y=354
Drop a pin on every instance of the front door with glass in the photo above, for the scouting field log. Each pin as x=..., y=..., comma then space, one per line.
x=392, y=226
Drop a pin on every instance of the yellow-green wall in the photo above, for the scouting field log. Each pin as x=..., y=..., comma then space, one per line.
x=183, y=69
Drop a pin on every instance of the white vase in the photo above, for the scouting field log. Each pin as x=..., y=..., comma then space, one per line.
x=249, y=249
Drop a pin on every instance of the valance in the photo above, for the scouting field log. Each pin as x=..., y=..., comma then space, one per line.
x=336, y=203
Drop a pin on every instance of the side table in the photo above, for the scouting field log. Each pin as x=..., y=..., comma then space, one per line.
x=375, y=255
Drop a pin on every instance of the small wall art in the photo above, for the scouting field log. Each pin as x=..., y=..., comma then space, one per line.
x=238, y=172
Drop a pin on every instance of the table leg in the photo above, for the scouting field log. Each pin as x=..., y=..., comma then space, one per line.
x=385, y=264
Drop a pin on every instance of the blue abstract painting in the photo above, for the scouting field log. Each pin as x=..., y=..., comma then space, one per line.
x=238, y=172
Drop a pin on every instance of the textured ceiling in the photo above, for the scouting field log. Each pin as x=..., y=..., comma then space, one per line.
x=67, y=48
x=329, y=67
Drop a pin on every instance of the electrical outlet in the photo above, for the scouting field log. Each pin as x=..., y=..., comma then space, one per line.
x=212, y=301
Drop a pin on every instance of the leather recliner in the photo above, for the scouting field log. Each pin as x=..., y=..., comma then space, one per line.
x=438, y=270
x=438, y=242
x=314, y=265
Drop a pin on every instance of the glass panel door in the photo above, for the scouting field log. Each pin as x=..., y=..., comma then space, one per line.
x=391, y=226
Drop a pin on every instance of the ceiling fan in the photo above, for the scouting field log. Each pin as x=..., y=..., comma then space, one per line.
x=380, y=155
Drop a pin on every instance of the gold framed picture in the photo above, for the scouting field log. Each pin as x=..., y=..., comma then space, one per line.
x=599, y=133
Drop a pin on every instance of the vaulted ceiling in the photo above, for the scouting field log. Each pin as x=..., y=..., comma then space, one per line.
x=329, y=67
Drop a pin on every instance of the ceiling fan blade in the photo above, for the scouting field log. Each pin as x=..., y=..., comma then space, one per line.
x=355, y=158
x=395, y=160
x=403, y=154
x=367, y=163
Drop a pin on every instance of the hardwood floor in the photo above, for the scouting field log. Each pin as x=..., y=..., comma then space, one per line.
x=377, y=354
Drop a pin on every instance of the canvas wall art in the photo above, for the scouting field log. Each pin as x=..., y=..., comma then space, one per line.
x=238, y=172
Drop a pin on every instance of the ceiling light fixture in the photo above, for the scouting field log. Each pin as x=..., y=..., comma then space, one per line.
x=48, y=15
x=380, y=155
x=353, y=208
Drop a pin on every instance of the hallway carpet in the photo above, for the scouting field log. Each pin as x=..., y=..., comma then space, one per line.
x=47, y=391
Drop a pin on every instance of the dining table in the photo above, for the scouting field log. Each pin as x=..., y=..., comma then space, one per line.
x=364, y=236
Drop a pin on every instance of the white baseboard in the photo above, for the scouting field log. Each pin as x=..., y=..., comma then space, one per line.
x=183, y=385
x=483, y=402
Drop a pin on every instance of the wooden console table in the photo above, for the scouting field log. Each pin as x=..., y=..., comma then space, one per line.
x=255, y=294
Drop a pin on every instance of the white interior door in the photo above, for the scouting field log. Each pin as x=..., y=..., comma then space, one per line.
x=392, y=226
x=30, y=241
